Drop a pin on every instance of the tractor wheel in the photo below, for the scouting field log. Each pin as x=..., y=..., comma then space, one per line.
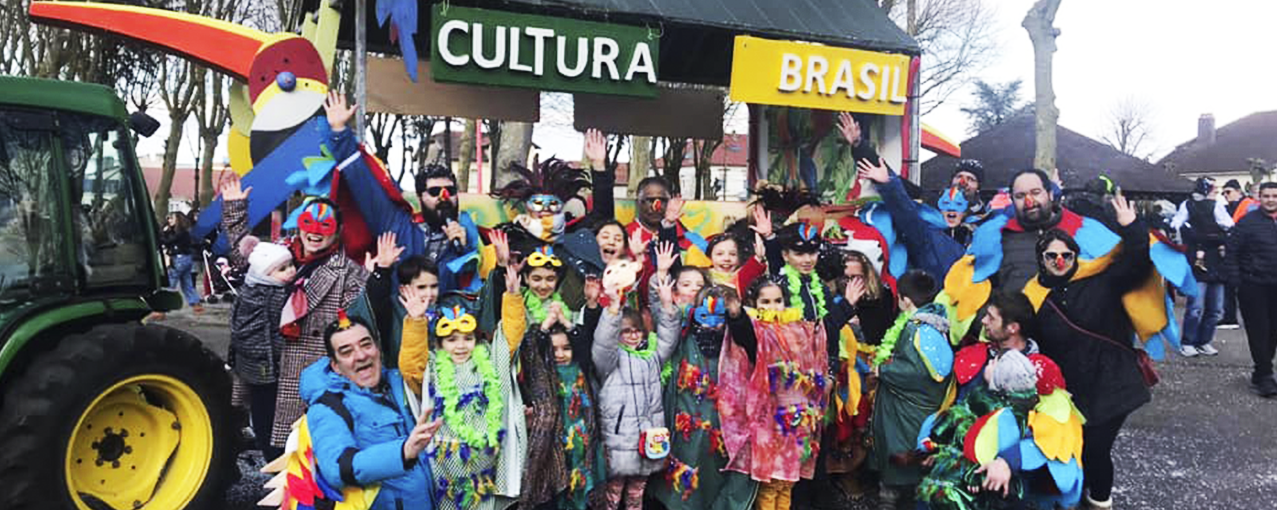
x=123, y=416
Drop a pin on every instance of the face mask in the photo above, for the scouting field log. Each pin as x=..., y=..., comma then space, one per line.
x=317, y=218
x=711, y=313
x=953, y=200
x=455, y=319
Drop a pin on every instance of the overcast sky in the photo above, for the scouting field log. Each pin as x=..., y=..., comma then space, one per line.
x=1180, y=58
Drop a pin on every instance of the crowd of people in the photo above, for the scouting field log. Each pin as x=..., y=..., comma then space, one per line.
x=566, y=360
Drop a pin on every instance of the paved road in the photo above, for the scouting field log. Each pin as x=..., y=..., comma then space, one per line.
x=1204, y=442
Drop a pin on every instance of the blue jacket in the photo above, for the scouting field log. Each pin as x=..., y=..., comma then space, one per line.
x=382, y=215
x=929, y=248
x=358, y=437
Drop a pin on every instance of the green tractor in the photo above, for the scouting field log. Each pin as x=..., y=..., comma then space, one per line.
x=97, y=409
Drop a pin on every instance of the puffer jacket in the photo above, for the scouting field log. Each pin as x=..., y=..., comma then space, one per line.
x=256, y=342
x=630, y=400
x=358, y=437
x=1250, y=256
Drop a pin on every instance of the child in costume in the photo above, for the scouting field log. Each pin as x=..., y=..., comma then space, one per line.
x=256, y=340
x=477, y=456
x=772, y=410
x=696, y=476
x=1016, y=431
x=567, y=457
x=731, y=265
x=629, y=361
x=914, y=365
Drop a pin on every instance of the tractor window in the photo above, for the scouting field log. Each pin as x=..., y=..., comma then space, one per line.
x=31, y=241
x=110, y=227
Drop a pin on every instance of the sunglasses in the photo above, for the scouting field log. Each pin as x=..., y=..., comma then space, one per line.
x=434, y=191
x=1051, y=256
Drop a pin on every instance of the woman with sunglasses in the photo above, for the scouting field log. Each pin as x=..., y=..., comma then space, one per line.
x=1083, y=325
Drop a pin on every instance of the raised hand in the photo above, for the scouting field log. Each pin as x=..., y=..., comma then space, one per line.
x=595, y=148
x=760, y=249
x=593, y=290
x=876, y=173
x=501, y=244
x=421, y=435
x=1124, y=210
x=665, y=289
x=665, y=257
x=674, y=210
x=849, y=128
x=413, y=301
x=513, y=284
x=339, y=113
x=855, y=291
x=231, y=190
x=762, y=221
x=733, y=304
x=638, y=246
x=388, y=251
x=553, y=314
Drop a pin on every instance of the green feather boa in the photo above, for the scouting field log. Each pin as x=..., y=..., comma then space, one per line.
x=794, y=280
x=491, y=436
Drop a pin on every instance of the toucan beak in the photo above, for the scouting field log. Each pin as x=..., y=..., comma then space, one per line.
x=224, y=46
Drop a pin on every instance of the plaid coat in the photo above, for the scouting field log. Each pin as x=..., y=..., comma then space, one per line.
x=332, y=287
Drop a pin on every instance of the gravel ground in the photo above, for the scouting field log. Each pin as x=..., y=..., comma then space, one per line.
x=1204, y=442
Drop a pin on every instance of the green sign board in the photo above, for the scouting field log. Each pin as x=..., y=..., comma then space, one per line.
x=520, y=50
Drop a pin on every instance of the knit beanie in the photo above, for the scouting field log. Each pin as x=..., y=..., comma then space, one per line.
x=265, y=259
x=972, y=167
x=1203, y=185
x=1233, y=184
x=1012, y=371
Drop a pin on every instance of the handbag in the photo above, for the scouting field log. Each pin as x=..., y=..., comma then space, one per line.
x=1142, y=361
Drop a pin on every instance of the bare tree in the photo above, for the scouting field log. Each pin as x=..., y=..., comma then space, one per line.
x=673, y=152
x=958, y=40
x=465, y=157
x=1038, y=23
x=1129, y=128
x=640, y=162
x=181, y=81
x=516, y=144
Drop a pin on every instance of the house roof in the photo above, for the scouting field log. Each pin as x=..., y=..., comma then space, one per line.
x=733, y=152
x=696, y=35
x=1249, y=137
x=183, y=181
x=1010, y=147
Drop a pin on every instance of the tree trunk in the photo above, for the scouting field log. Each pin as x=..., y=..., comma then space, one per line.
x=206, y=172
x=1038, y=23
x=640, y=162
x=672, y=161
x=466, y=155
x=169, y=167
x=516, y=144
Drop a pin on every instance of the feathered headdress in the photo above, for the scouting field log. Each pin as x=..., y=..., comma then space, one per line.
x=784, y=201
x=551, y=177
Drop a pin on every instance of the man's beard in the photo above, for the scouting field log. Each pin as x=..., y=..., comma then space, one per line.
x=1044, y=217
x=442, y=212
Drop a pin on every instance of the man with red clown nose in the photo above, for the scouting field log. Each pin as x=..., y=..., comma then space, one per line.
x=327, y=281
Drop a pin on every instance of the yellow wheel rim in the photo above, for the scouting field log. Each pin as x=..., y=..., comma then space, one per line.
x=144, y=443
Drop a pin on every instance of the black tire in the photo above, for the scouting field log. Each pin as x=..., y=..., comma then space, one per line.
x=42, y=406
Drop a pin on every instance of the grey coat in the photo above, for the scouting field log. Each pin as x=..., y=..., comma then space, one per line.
x=630, y=401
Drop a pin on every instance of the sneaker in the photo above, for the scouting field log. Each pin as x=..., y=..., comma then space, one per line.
x=1099, y=505
x=1227, y=326
x=1208, y=350
x=1188, y=351
x=1266, y=387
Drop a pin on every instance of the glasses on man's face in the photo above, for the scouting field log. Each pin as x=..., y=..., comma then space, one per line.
x=1051, y=256
x=434, y=191
x=1035, y=193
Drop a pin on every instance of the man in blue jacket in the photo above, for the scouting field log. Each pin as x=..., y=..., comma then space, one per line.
x=932, y=244
x=361, y=428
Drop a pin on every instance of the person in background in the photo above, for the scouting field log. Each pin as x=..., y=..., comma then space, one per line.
x=1203, y=223
x=1238, y=204
x=176, y=241
x=1250, y=264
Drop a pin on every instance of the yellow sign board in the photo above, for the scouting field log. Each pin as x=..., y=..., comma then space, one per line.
x=810, y=75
